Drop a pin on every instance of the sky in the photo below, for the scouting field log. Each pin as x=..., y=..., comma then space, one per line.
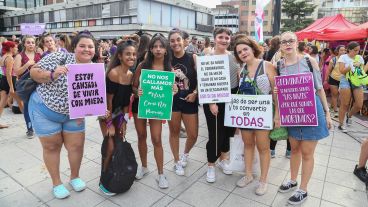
x=207, y=3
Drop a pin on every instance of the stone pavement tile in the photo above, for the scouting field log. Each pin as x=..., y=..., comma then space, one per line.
x=107, y=203
x=323, y=149
x=31, y=175
x=163, y=201
x=135, y=149
x=223, y=182
x=198, y=154
x=344, y=196
x=201, y=194
x=20, y=198
x=151, y=158
x=327, y=141
x=173, y=179
x=43, y=189
x=346, y=179
x=281, y=200
x=329, y=204
x=191, y=167
x=249, y=193
x=91, y=150
x=341, y=164
x=282, y=163
x=33, y=147
x=320, y=159
x=8, y=186
x=346, y=154
x=201, y=144
x=19, y=161
x=234, y=200
x=348, y=145
x=2, y=174
x=86, y=198
x=276, y=176
x=88, y=171
x=139, y=195
x=93, y=186
x=177, y=203
x=178, y=190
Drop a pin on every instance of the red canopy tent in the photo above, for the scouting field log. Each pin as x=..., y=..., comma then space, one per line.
x=357, y=33
x=325, y=25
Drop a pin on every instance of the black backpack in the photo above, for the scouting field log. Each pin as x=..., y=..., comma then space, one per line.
x=120, y=174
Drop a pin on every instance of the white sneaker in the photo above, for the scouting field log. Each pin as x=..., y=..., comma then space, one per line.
x=261, y=189
x=244, y=181
x=179, y=170
x=184, y=159
x=224, y=167
x=162, y=181
x=141, y=172
x=211, y=174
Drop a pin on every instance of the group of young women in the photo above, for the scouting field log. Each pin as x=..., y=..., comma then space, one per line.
x=48, y=107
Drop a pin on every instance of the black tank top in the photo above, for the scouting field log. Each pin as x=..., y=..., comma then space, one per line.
x=185, y=74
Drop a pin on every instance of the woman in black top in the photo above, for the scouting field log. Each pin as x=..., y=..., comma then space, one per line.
x=119, y=90
x=185, y=102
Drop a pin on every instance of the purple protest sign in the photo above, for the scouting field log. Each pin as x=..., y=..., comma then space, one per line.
x=32, y=28
x=86, y=90
x=296, y=100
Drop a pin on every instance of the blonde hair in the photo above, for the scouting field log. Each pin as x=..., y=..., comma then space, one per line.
x=288, y=32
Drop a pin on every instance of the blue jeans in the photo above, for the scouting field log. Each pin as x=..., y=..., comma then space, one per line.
x=47, y=122
x=26, y=117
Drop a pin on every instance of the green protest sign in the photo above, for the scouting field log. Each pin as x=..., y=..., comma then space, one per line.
x=157, y=98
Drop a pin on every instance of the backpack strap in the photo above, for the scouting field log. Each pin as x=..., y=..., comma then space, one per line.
x=309, y=64
x=278, y=66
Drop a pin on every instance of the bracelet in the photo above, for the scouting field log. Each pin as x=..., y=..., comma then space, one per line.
x=52, y=76
x=109, y=123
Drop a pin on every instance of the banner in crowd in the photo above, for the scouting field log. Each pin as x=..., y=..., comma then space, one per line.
x=259, y=17
x=32, y=28
x=249, y=112
x=296, y=100
x=213, y=79
x=86, y=90
x=157, y=98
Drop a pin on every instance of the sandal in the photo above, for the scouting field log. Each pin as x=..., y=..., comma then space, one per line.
x=78, y=184
x=60, y=191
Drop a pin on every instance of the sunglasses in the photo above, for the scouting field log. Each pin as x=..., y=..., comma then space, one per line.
x=288, y=42
x=158, y=34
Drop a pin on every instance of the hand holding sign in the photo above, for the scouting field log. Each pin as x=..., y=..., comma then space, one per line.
x=60, y=70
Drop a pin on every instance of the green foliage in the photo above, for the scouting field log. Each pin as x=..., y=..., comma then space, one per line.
x=296, y=12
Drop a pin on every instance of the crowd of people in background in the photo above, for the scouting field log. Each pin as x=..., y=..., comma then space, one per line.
x=46, y=112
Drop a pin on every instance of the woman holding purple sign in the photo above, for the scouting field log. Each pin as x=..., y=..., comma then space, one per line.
x=303, y=139
x=49, y=112
x=256, y=78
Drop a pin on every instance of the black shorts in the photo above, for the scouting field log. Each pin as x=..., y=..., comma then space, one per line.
x=4, y=86
x=180, y=105
x=333, y=82
x=135, y=105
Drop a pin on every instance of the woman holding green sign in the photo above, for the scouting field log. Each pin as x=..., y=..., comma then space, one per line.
x=303, y=139
x=158, y=58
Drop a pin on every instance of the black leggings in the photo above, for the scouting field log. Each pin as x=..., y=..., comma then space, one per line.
x=273, y=144
x=223, y=133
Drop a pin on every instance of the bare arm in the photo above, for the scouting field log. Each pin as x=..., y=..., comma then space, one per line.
x=329, y=70
x=342, y=68
x=43, y=76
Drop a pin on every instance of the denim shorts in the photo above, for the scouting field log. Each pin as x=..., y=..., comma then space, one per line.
x=311, y=133
x=47, y=122
x=344, y=84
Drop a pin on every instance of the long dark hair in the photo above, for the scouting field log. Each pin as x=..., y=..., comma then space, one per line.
x=143, y=46
x=115, y=61
x=147, y=63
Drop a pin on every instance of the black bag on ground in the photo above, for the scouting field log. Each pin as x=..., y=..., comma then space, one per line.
x=25, y=86
x=120, y=174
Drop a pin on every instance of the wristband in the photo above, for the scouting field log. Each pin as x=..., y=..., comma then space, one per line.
x=52, y=76
x=126, y=117
x=109, y=123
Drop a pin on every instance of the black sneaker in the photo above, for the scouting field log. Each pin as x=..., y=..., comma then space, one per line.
x=30, y=134
x=343, y=129
x=298, y=197
x=361, y=173
x=287, y=186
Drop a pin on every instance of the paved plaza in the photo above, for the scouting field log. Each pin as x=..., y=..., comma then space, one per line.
x=24, y=180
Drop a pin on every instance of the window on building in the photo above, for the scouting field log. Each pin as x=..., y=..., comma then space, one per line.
x=65, y=24
x=107, y=21
x=30, y=4
x=265, y=23
x=40, y=18
x=84, y=23
x=21, y=4
x=116, y=21
x=252, y=23
x=254, y=2
x=133, y=20
x=51, y=16
x=99, y=22
x=92, y=23
x=244, y=3
x=114, y=9
x=244, y=13
x=10, y=3
x=77, y=24
x=125, y=20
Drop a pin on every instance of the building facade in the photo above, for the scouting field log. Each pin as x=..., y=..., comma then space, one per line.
x=354, y=10
x=226, y=16
x=111, y=18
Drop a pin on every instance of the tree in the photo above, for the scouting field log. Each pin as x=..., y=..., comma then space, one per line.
x=296, y=12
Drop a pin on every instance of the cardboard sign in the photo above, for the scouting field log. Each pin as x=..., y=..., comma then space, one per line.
x=86, y=90
x=249, y=112
x=157, y=98
x=296, y=100
x=213, y=79
x=32, y=28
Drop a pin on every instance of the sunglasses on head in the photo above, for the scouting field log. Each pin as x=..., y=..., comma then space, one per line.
x=158, y=34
